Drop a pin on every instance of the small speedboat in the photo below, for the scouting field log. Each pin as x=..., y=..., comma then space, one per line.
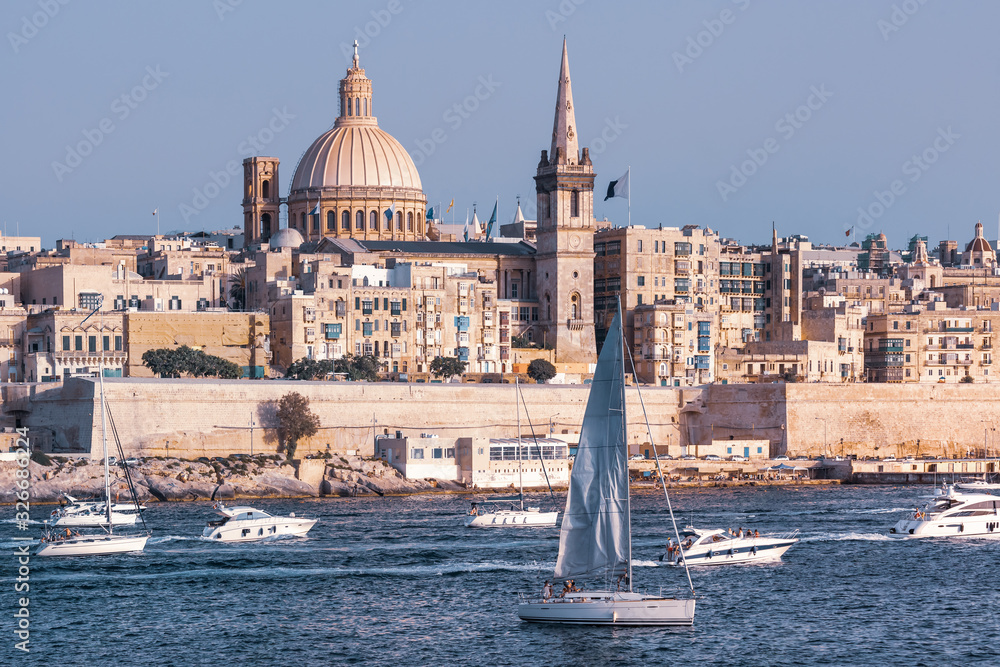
x=978, y=485
x=951, y=513
x=245, y=524
x=719, y=547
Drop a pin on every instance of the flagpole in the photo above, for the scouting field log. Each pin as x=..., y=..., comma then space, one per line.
x=630, y=195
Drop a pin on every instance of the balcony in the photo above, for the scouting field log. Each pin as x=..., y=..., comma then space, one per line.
x=959, y=329
x=574, y=324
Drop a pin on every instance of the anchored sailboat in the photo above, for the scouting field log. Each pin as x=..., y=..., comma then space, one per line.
x=596, y=537
x=64, y=541
x=489, y=515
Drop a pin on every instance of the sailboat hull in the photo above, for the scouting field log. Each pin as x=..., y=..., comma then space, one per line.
x=502, y=518
x=94, y=545
x=610, y=609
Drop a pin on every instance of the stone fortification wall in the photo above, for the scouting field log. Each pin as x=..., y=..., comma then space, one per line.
x=882, y=419
x=191, y=418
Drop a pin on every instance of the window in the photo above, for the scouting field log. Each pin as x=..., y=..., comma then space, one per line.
x=359, y=220
x=640, y=281
x=78, y=343
x=89, y=300
x=574, y=204
x=409, y=221
x=639, y=245
x=437, y=452
x=118, y=343
x=417, y=453
x=331, y=221
x=345, y=220
x=373, y=221
x=399, y=221
x=92, y=344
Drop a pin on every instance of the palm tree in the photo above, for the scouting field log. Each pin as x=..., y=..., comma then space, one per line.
x=238, y=289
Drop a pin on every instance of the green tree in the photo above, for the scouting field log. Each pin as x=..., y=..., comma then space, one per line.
x=541, y=371
x=295, y=420
x=238, y=290
x=171, y=363
x=447, y=367
x=357, y=368
x=967, y=379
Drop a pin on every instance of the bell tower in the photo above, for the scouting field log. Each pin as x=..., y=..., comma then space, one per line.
x=564, y=184
x=261, y=202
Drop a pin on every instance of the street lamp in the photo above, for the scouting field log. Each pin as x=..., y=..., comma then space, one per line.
x=824, y=434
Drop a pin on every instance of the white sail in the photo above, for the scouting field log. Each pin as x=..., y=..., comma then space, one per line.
x=594, y=540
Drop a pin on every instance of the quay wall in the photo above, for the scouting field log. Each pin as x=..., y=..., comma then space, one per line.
x=190, y=418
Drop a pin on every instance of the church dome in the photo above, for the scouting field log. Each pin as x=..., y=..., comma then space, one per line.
x=979, y=243
x=286, y=238
x=356, y=180
x=354, y=154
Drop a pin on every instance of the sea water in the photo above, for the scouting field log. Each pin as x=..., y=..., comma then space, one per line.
x=402, y=581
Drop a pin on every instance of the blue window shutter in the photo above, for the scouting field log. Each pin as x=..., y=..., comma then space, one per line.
x=357, y=303
x=404, y=305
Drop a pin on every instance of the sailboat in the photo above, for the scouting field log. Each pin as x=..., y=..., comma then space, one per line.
x=595, y=541
x=64, y=541
x=489, y=514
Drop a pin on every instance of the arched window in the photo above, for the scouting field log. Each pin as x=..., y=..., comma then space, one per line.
x=331, y=221
x=345, y=220
x=315, y=219
x=574, y=204
x=409, y=221
x=357, y=107
x=399, y=221
x=349, y=106
x=663, y=369
x=302, y=221
x=359, y=220
x=265, y=189
x=364, y=106
x=420, y=227
x=265, y=225
x=373, y=221
x=574, y=306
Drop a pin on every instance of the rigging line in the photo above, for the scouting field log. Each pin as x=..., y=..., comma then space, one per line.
x=125, y=469
x=535, y=438
x=656, y=457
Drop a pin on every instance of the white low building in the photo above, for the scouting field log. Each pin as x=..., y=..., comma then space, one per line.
x=479, y=462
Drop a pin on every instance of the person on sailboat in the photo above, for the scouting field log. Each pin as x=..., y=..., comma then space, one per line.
x=546, y=590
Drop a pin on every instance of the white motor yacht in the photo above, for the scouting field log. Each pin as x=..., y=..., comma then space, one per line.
x=93, y=513
x=951, y=513
x=718, y=547
x=489, y=515
x=244, y=524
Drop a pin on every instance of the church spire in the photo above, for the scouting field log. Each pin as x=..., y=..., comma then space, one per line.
x=564, y=125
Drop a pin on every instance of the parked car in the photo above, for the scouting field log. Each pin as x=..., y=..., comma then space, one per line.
x=112, y=461
x=637, y=457
x=665, y=457
x=712, y=457
x=131, y=461
x=781, y=458
x=801, y=458
x=736, y=457
x=688, y=457
x=889, y=458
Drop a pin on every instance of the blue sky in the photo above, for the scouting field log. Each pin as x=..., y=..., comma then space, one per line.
x=732, y=114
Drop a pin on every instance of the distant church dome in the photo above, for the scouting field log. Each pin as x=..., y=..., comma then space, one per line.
x=286, y=238
x=361, y=180
x=979, y=243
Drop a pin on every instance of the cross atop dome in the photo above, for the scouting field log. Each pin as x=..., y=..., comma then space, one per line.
x=355, y=54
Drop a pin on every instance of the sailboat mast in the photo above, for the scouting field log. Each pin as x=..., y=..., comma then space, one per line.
x=624, y=455
x=520, y=466
x=104, y=426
